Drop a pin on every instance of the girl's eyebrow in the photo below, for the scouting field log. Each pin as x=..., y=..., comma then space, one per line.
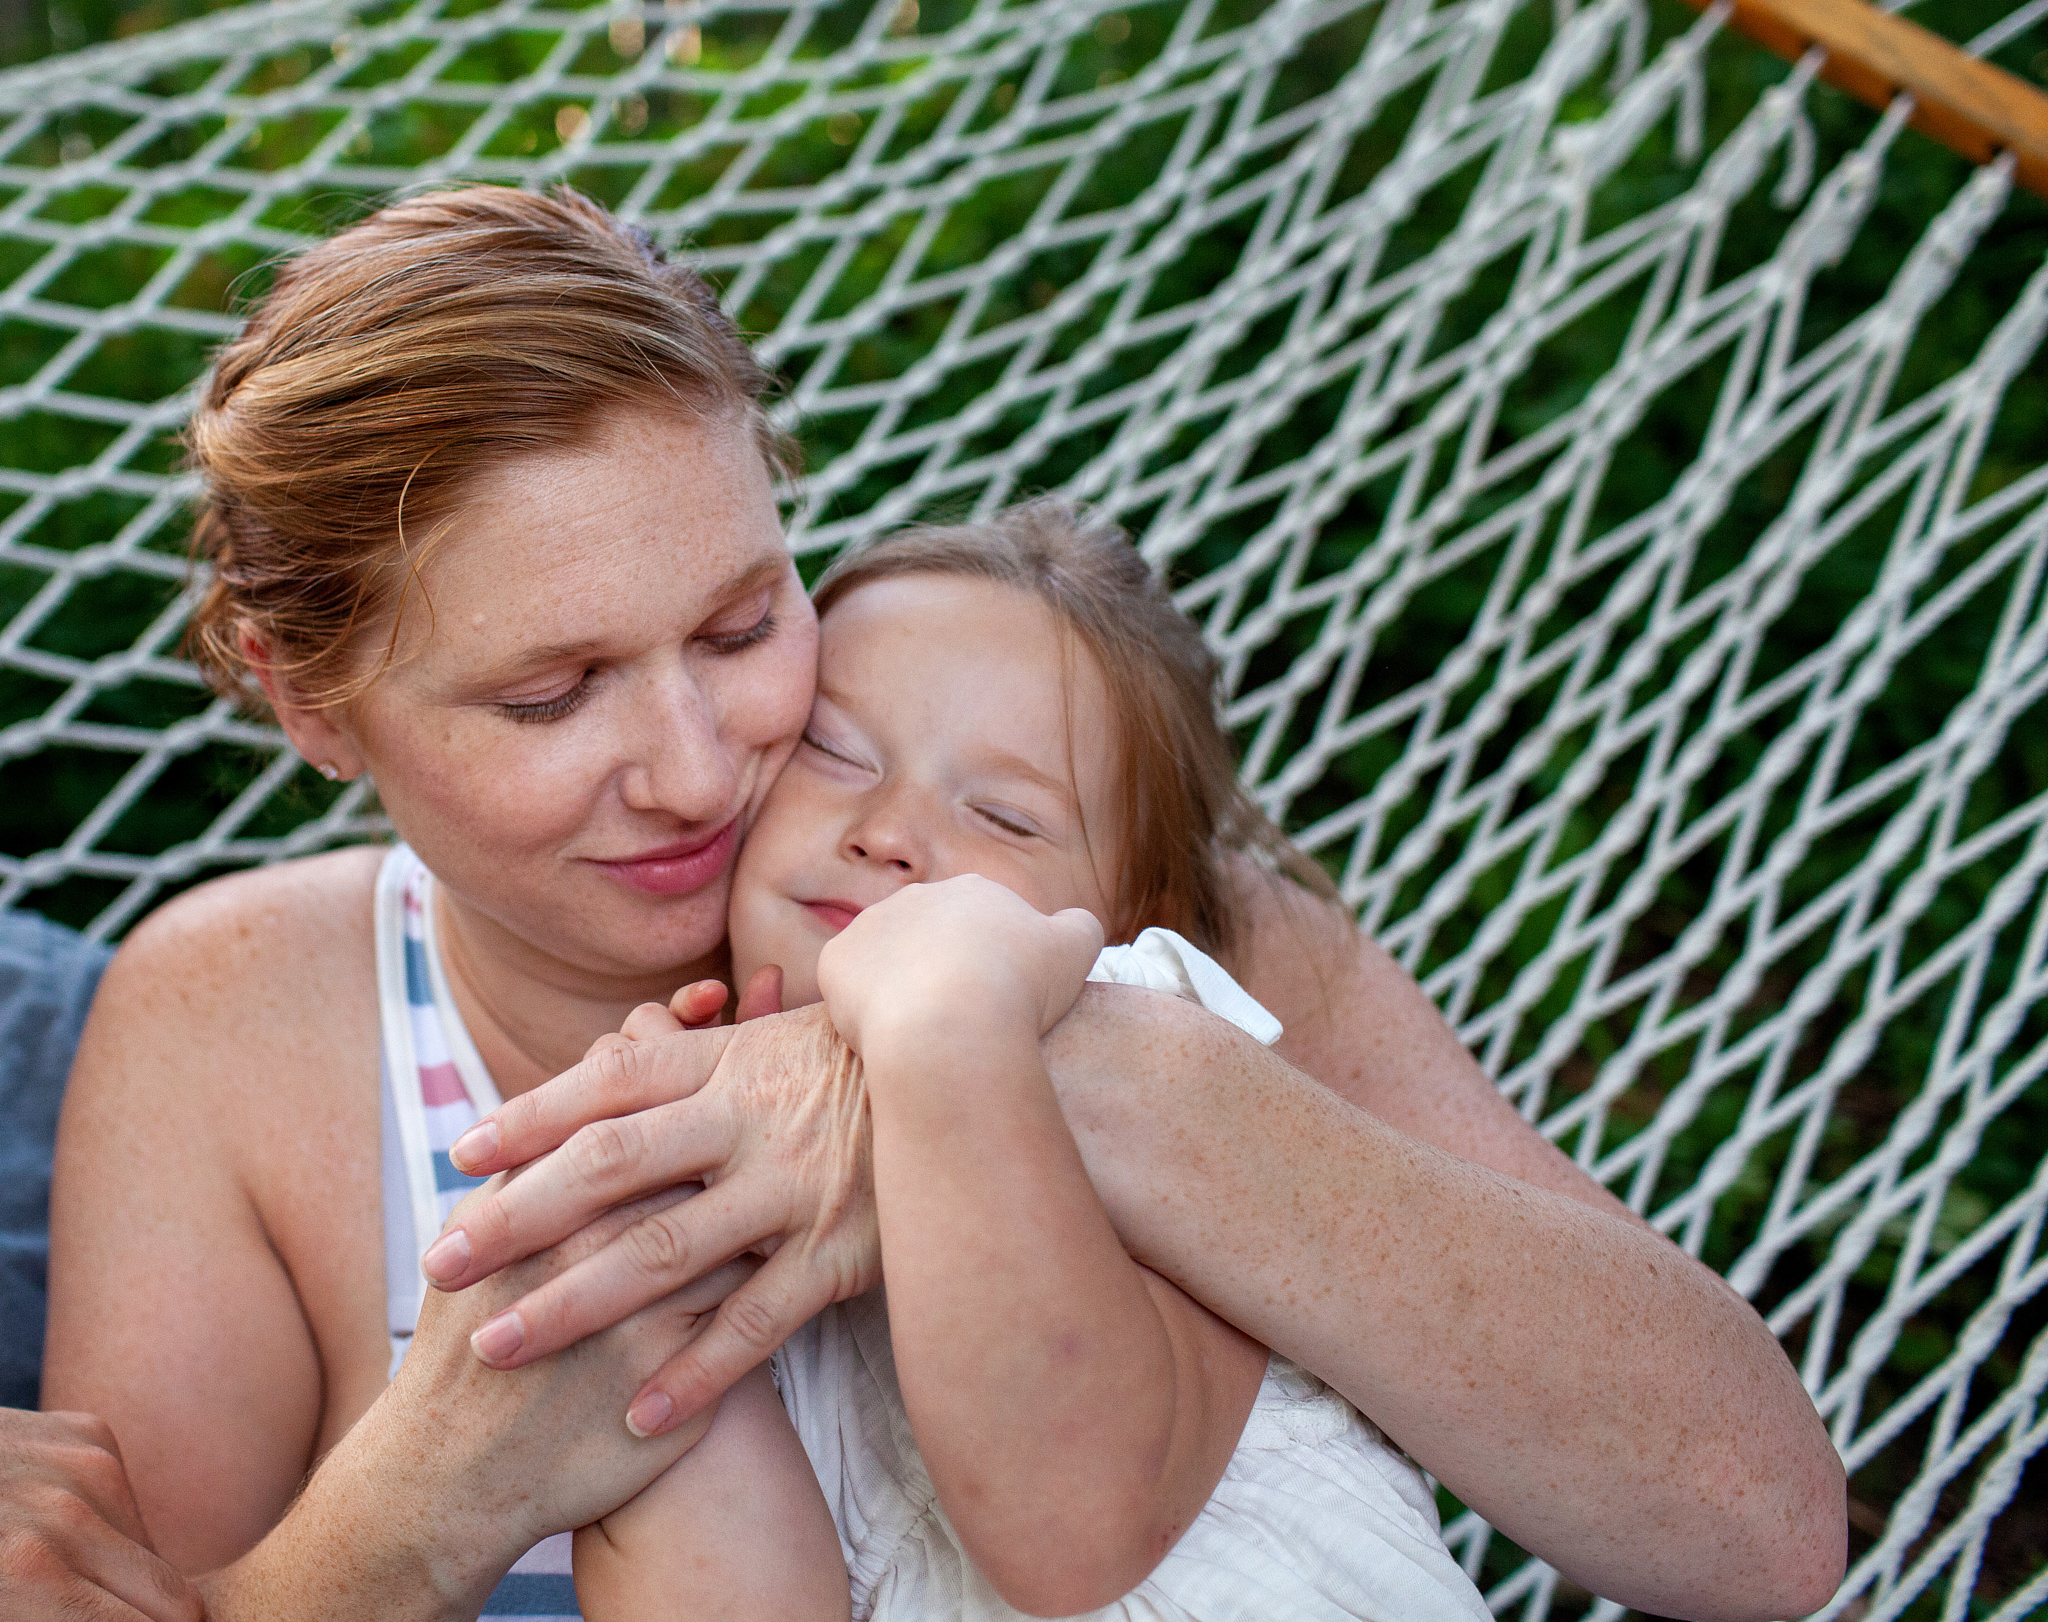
x=1002, y=760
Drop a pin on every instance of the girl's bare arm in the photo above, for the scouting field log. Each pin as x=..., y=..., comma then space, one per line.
x=734, y=1531
x=1075, y=1410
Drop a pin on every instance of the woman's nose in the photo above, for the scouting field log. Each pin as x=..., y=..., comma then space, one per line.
x=675, y=760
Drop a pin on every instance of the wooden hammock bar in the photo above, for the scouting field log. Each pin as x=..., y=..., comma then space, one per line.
x=1972, y=106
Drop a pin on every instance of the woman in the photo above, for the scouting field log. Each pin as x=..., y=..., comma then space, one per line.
x=491, y=518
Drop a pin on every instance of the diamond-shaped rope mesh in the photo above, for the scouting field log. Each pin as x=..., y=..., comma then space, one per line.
x=1610, y=486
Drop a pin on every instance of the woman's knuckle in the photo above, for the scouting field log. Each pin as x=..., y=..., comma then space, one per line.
x=753, y=1320
x=614, y=1070
x=659, y=1245
x=90, y=1431
x=600, y=1152
x=71, y=1517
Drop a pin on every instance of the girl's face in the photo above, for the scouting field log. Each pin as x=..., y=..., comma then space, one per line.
x=602, y=668
x=940, y=744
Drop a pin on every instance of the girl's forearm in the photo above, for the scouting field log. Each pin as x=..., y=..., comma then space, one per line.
x=1040, y=1377
x=1592, y=1391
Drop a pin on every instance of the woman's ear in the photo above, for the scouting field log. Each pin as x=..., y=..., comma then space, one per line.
x=326, y=745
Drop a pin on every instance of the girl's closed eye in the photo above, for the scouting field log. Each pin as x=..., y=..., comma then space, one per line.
x=833, y=749
x=1010, y=821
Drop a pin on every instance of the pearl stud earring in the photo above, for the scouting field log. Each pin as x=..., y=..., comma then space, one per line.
x=330, y=771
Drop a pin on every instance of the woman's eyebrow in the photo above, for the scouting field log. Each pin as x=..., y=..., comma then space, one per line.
x=764, y=573
x=753, y=578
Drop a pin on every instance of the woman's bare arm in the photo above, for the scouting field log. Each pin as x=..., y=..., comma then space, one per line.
x=1356, y=1021
x=217, y=1290
x=172, y=1313
x=1595, y=1393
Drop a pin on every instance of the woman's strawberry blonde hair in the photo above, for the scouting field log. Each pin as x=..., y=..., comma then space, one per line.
x=1181, y=812
x=391, y=366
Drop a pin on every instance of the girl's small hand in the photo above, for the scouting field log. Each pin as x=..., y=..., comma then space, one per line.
x=696, y=1007
x=964, y=949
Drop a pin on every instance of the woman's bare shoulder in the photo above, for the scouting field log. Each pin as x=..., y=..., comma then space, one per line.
x=1358, y=1023
x=309, y=918
x=274, y=961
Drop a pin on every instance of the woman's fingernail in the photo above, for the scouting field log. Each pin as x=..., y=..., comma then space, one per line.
x=447, y=1257
x=649, y=1414
x=476, y=1145
x=499, y=1338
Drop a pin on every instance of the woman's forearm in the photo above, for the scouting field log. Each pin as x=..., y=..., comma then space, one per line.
x=1592, y=1391
x=375, y=1536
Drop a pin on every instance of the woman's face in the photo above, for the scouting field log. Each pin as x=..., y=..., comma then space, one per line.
x=603, y=666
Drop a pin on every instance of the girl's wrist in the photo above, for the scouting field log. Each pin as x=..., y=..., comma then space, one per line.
x=912, y=1042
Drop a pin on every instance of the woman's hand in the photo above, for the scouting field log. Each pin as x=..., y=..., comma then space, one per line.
x=72, y=1543
x=457, y=1470
x=770, y=1116
x=965, y=946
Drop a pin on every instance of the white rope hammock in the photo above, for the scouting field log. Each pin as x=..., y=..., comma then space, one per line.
x=1283, y=286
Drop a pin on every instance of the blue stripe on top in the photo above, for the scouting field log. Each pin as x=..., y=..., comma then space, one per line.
x=447, y=1178
x=532, y=1594
x=419, y=986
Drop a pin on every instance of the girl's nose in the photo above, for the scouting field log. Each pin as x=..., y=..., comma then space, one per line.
x=887, y=833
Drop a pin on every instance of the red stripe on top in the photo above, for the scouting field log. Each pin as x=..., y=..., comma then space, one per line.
x=439, y=1084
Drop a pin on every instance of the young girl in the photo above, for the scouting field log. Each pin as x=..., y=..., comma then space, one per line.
x=1034, y=1420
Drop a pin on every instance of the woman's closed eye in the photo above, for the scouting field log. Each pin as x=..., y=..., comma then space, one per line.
x=552, y=708
x=749, y=635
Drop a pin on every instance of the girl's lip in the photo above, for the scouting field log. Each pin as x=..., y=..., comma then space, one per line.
x=834, y=915
x=679, y=869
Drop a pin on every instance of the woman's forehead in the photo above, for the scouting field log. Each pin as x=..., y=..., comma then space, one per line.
x=658, y=521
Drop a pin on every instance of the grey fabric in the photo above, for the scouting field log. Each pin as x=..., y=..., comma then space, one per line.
x=47, y=978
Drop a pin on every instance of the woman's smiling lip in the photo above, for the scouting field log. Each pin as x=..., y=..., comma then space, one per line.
x=682, y=868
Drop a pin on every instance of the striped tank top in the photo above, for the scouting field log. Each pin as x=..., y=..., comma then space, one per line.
x=435, y=1088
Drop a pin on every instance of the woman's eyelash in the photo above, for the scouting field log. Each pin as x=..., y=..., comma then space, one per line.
x=549, y=709
x=739, y=641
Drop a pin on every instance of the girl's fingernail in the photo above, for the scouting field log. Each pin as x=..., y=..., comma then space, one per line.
x=499, y=1338
x=447, y=1257
x=476, y=1145
x=649, y=1415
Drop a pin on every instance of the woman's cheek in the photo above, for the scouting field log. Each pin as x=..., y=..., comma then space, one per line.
x=785, y=684
x=525, y=786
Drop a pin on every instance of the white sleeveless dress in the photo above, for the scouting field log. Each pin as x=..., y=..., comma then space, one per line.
x=1317, y=1518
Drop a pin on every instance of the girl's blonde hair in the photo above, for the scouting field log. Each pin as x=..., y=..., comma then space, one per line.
x=391, y=366
x=1182, y=813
